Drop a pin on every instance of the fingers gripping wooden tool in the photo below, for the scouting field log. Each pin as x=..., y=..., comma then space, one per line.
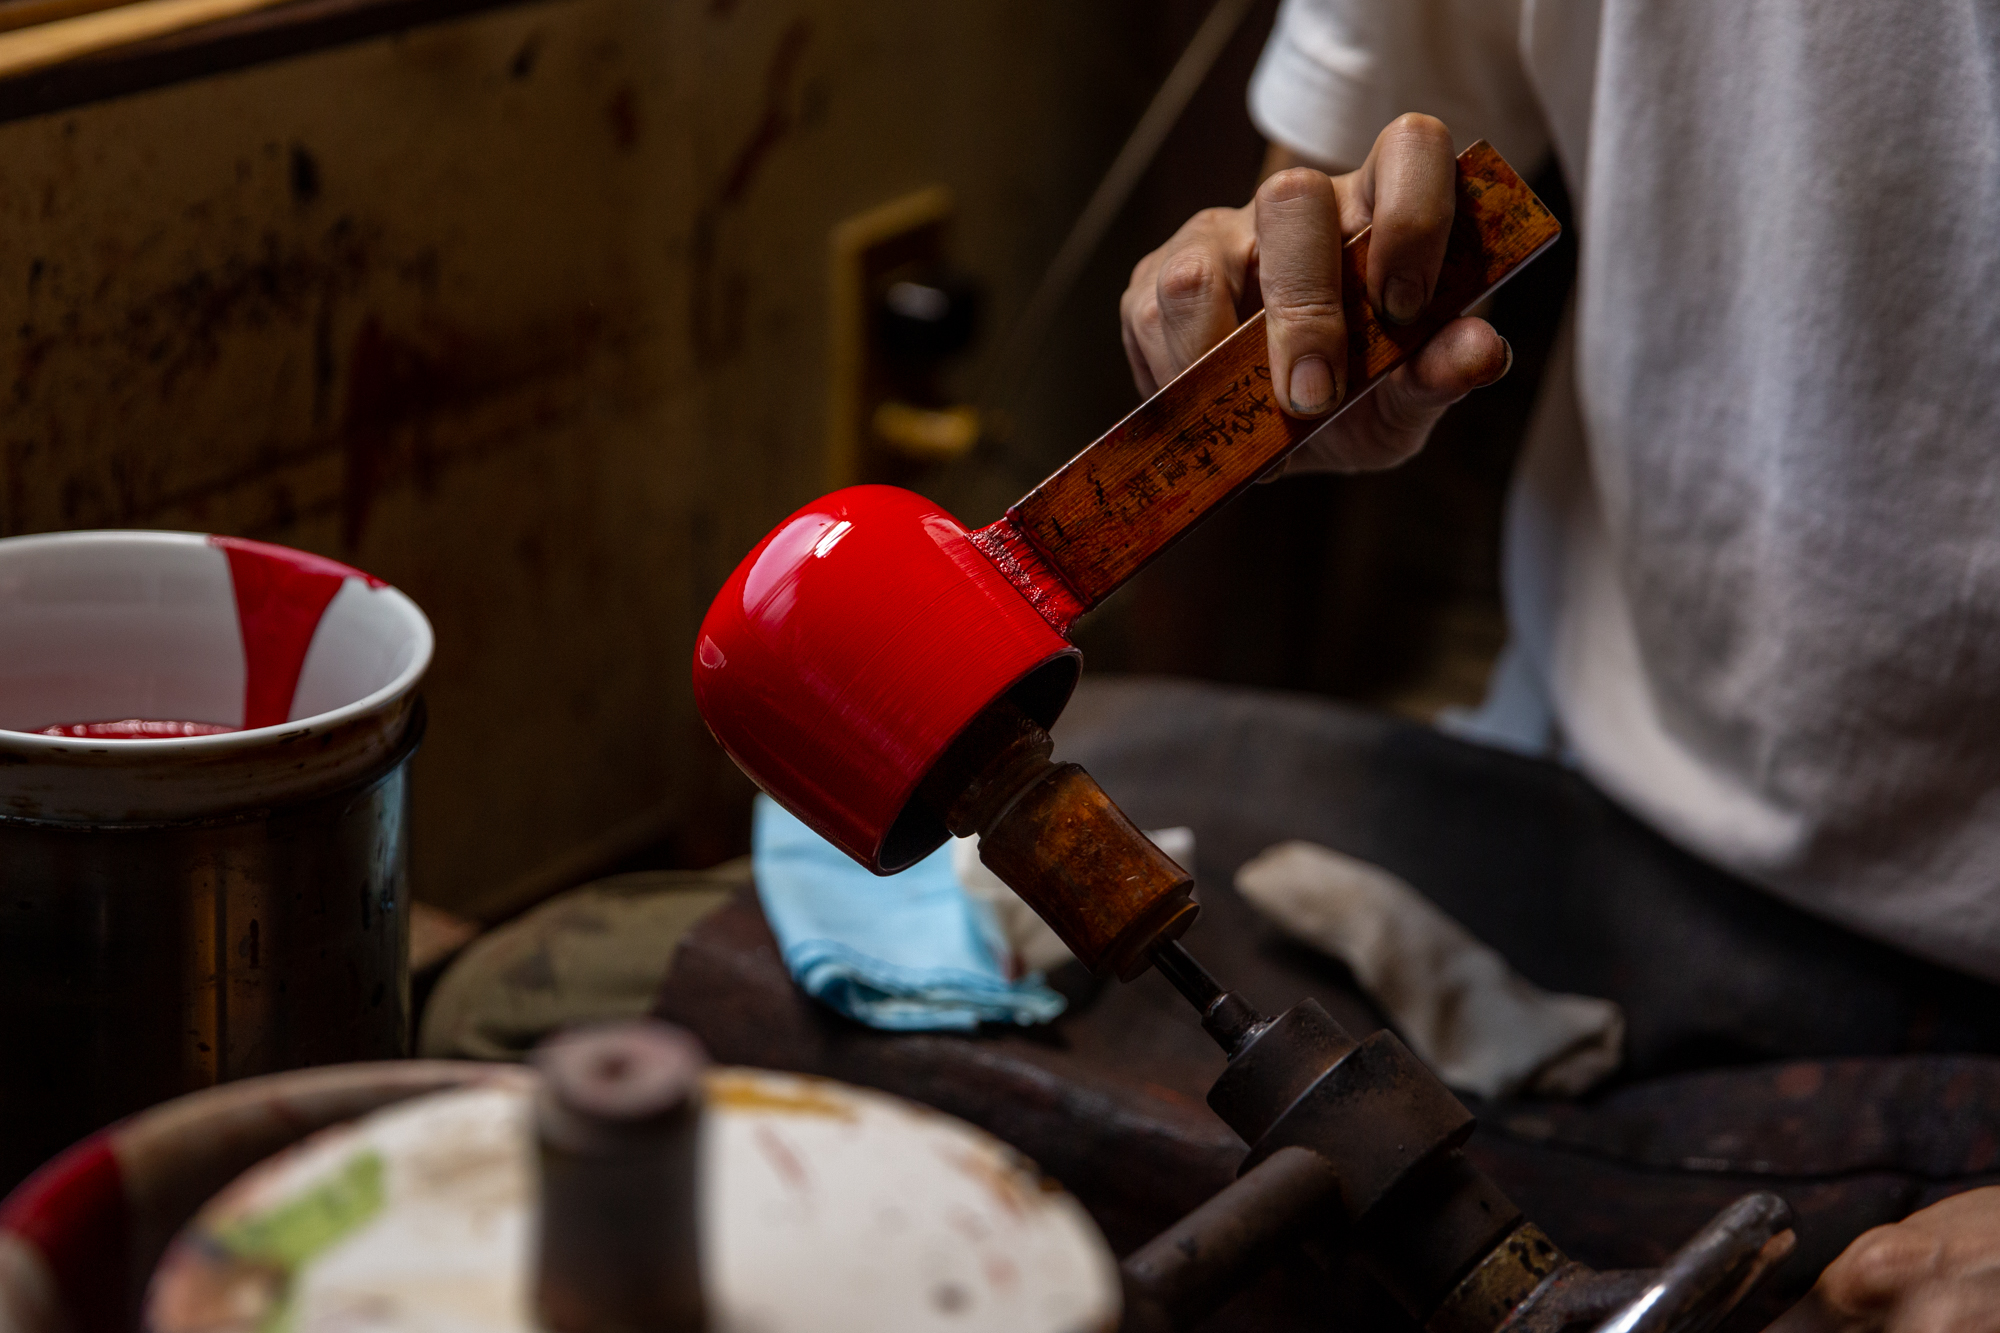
x=886, y=674
x=889, y=677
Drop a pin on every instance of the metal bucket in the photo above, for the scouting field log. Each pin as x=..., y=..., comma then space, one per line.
x=181, y=910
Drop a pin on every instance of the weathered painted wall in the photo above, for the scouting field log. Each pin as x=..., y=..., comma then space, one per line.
x=523, y=313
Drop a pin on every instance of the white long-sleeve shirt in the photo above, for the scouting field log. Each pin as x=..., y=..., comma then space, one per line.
x=1753, y=548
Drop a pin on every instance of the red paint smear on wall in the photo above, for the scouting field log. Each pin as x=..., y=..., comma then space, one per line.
x=280, y=596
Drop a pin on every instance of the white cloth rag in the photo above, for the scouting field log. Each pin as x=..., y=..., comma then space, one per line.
x=1480, y=1025
x=1036, y=947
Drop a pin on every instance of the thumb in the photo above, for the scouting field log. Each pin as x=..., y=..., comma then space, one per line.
x=1298, y=270
x=1464, y=355
x=1392, y=423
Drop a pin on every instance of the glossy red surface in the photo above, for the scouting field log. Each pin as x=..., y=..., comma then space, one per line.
x=1032, y=576
x=851, y=646
x=280, y=596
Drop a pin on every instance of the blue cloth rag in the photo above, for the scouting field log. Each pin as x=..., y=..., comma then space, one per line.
x=908, y=952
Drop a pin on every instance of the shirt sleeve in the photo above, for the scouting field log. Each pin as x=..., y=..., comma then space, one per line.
x=1336, y=71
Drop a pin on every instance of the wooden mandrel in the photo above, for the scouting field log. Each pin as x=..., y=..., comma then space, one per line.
x=1049, y=832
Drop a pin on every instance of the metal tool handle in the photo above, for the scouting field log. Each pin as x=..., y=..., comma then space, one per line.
x=1711, y=1274
x=1189, y=1270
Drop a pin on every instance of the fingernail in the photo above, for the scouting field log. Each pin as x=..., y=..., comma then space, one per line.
x=1312, y=386
x=1510, y=361
x=1402, y=299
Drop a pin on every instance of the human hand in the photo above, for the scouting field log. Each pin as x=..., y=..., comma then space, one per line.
x=1936, y=1271
x=1282, y=250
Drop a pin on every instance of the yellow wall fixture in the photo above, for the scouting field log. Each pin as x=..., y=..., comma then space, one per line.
x=865, y=251
x=926, y=434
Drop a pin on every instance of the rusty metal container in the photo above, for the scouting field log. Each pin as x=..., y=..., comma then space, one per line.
x=178, y=910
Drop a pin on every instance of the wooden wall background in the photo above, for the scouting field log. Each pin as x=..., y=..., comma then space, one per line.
x=525, y=313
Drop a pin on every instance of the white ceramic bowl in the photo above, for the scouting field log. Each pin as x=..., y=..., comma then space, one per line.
x=102, y=626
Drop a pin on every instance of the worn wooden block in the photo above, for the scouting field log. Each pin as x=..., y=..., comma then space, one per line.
x=1112, y=509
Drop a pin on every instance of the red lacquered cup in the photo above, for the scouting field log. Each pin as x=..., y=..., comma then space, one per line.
x=849, y=649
